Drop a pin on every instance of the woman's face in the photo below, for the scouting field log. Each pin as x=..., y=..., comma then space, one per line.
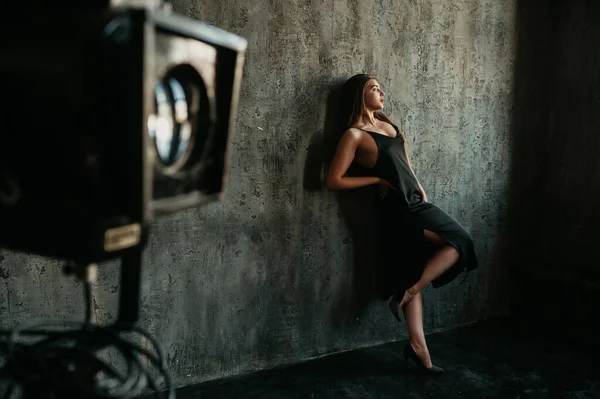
x=373, y=96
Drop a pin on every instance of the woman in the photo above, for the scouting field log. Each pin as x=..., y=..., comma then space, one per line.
x=419, y=243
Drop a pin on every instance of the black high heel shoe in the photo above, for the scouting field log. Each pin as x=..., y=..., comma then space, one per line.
x=409, y=352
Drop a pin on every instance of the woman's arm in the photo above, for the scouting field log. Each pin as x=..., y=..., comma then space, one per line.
x=344, y=155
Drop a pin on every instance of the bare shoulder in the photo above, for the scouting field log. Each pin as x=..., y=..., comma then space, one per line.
x=353, y=133
x=352, y=136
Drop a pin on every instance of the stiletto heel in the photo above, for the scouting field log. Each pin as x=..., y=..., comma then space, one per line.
x=409, y=352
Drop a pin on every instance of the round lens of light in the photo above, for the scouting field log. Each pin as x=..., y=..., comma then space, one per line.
x=160, y=124
x=179, y=124
x=169, y=126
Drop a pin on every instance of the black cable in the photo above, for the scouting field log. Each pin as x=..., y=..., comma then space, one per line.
x=64, y=363
x=40, y=362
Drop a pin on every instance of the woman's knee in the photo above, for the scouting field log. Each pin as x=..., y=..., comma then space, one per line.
x=450, y=253
x=434, y=238
x=452, y=250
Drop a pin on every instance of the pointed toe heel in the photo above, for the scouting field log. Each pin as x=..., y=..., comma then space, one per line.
x=409, y=353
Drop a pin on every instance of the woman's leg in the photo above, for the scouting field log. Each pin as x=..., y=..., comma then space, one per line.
x=413, y=313
x=443, y=259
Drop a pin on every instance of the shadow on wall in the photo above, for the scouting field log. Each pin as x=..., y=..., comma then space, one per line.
x=357, y=209
x=555, y=187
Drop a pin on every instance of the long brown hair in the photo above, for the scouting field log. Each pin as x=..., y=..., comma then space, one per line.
x=353, y=95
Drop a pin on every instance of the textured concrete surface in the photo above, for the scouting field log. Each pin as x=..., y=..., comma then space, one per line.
x=278, y=272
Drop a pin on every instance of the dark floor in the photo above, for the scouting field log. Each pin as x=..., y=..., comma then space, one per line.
x=485, y=360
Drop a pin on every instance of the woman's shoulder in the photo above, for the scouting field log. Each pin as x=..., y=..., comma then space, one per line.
x=354, y=132
x=354, y=137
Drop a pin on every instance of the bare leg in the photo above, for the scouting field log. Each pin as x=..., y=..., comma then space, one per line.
x=435, y=267
x=413, y=313
x=412, y=302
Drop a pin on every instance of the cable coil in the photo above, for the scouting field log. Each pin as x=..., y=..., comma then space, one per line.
x=63, y=359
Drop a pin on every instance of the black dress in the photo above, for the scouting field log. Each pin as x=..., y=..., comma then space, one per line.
x=403, y=216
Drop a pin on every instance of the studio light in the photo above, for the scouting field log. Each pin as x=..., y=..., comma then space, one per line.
x=108, y=119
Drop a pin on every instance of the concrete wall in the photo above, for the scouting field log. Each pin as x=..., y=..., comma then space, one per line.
x=280, y=271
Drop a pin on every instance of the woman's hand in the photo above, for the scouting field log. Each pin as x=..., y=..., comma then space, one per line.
x=384, y=186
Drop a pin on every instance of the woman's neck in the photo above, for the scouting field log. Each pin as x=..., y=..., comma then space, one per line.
x=368, y=118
